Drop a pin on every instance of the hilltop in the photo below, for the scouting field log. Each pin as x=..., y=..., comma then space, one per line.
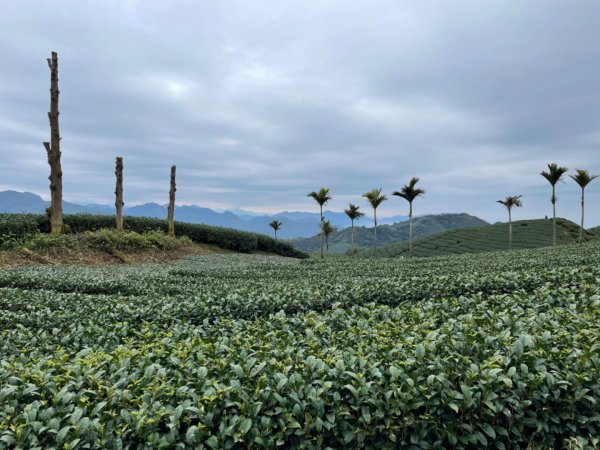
x=526, y=234
x=364, y=237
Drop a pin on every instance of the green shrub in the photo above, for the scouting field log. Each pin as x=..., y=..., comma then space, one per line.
x=108, y=239
x=40, y=241
x=16, y=228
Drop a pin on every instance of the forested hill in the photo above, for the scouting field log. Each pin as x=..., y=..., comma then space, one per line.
x=364, y=237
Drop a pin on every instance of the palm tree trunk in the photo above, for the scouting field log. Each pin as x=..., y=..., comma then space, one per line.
x=410, y=231
x=582, y=209
x=352, y=233
x=553, y=215
x=509, y=229
x=375, y=218
x=321, y=232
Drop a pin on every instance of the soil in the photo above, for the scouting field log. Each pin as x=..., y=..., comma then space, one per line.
x=89, y=257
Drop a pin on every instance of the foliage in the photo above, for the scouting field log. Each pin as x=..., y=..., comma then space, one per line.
x=375, y=197
x=409, y=192
x=511, y=201
x=327, y=228
x=554, y=174
x=14, y=228
x=353, y=212
x=107, y=239
x=21, y=227
x=226, y=351
x=321, y=196
x=583, y=177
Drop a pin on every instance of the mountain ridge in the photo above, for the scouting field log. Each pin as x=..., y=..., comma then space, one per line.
x=295, y=224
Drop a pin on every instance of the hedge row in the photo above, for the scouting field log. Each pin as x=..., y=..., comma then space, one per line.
x=20, y=226
x=17, y=227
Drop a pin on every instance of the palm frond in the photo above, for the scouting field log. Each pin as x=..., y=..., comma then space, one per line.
x=353, y=212
x=321, y=197
x=583, y=177
x=511, y=201
x=327, y=228
x=554, y=174
x=408, y=192
x=276, y=225
x=374, y=197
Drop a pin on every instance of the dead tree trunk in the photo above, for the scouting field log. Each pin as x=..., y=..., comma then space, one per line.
x=171, y=211
x=119, y=193
x=53, y=151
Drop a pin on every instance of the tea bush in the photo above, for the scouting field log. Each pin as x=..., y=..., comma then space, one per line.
x=498, y=350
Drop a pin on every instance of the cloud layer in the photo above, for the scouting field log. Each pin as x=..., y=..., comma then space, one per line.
x=258, y=103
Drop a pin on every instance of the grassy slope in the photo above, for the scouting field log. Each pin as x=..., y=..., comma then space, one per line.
x=340, y=242
x=526, y=234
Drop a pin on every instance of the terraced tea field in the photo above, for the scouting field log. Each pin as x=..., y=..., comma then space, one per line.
x=526, y=234
x=243, y=351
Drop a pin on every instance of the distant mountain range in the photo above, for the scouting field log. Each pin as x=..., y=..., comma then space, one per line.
x=364, y=238
x=294, y=223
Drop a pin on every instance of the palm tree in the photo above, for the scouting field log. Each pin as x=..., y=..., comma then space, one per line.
x=410, y=193
x=327, y=229
x=583, y=178
x=554, y=175
x=375, y=198
x=353, y=212
x=321, y=197
x=276, y=225
x=509, y=202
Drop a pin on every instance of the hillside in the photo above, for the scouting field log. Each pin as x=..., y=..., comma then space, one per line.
x=341, y=241
x=526, y=234
x=15, y=229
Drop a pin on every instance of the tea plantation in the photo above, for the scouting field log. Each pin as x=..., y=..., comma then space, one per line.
x=498, y=350
x=526, y=234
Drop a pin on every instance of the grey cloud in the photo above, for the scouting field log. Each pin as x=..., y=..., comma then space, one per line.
x=260, y=102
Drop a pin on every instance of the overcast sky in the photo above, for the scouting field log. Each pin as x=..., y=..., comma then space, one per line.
x=260, y=102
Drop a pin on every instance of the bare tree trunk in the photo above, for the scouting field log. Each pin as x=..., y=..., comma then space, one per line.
x=53, y=151
x=582, y=206
x=119, y=192
x=171, y=210
x=553, y=216
x=410, y=231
